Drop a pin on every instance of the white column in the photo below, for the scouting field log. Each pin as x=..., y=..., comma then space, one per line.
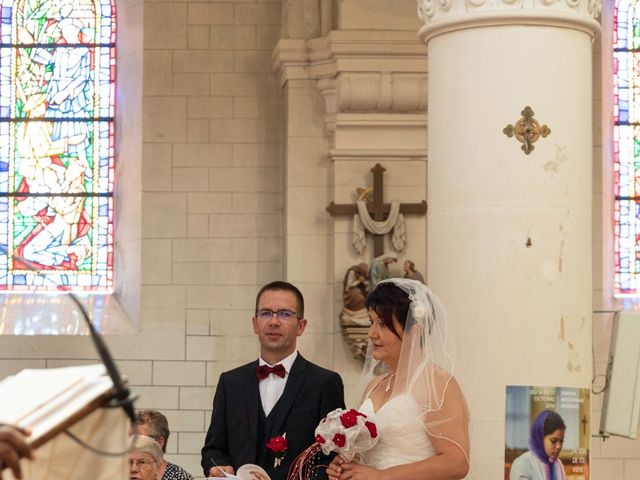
x=509, y=239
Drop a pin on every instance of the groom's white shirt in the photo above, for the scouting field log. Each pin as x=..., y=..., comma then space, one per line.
x=271, y=388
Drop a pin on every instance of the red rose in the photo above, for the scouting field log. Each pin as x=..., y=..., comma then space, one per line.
x=277, y=444
x=373, y=431
x=339, y=440
x=349, y=419
x=320, y=439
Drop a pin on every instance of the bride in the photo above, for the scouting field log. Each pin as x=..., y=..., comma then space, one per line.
x=409, y=390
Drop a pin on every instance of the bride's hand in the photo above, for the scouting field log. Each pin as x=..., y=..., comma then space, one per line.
x=340, y=469
x=335, y=467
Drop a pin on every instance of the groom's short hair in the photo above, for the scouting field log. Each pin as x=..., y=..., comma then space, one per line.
x=287, y=287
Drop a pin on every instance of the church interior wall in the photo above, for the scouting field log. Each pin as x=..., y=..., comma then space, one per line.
x=305, y=229
x=377, y=15
x=211, y=210
x=215, y=217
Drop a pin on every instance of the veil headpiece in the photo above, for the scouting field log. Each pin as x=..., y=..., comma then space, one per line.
x=425, y=366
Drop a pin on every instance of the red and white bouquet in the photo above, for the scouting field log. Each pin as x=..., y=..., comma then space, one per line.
x=346, y=432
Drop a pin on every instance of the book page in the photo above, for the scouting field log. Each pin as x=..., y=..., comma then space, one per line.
x=38, y=399
x=245, y=472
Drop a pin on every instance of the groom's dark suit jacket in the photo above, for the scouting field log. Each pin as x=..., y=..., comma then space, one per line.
x=239, y=430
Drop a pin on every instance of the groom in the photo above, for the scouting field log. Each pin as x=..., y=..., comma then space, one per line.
x=279, y=395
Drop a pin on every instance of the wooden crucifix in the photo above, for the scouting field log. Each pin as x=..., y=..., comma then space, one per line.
x=377, y=209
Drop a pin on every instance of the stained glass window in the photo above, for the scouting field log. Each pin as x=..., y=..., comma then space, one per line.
x=57, y=81
x=626, y=104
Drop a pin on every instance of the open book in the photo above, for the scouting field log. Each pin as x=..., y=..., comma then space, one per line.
x=49, y=401
x=245, y=472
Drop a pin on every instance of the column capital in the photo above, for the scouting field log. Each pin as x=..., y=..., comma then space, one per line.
x=359, y=74
x=290, y=60
x=442, y=16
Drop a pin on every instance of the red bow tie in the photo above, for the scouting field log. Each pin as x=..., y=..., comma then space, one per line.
x=263, y=371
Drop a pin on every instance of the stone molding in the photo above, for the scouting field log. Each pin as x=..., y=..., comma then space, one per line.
x=290, y=60
x=377, y=155
x=359, y=72
x=382, y=92
x=442, y=16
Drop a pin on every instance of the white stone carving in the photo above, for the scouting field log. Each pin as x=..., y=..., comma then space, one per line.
x=595, y=8
x=428, y=8
x=382, y=92
x=440, y=16
x=327, y=88
x=378, y=72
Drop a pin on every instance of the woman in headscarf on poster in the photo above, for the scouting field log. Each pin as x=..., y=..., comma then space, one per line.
x=541, y=461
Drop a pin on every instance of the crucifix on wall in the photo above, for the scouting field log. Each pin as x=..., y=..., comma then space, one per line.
x=377, y=217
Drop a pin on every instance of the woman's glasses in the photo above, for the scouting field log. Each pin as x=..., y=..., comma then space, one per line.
x=140, y=463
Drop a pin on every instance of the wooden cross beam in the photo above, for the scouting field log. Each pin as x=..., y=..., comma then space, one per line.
x=378, y=210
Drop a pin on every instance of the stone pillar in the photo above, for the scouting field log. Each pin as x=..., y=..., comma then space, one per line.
x=352, y=99
x=509, y=241
x=305, y=186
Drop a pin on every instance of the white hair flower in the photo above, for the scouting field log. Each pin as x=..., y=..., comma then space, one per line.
x=419, y=311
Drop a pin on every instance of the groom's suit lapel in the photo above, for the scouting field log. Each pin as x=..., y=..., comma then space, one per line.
x=251, y=395
x=294, y=382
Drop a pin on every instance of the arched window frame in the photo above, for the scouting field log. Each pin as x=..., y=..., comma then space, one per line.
x=57, y=112
x=118, y=312
x=626, y=131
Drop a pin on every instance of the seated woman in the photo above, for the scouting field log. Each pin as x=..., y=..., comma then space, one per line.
x=409, y=390
x=154, y=424
x=541, y=461
x=145, y=457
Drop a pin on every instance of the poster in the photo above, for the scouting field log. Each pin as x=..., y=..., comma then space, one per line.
x=550, y=407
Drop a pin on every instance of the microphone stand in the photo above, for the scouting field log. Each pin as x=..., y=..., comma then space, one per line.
x=123, y=396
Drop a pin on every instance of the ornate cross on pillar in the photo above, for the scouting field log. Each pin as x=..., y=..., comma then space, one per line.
x=377, y=209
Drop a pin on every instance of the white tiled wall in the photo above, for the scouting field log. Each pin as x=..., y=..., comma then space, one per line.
x=211, y=211
x=212, y=220
x=212, y=149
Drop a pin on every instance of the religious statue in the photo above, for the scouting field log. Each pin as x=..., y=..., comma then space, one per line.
x=354, y=318
x=371, y=214
x=380, y=267
x=356, y=287
x=411, y=272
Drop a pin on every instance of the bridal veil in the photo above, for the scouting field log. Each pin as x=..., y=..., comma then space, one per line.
x=425, y=367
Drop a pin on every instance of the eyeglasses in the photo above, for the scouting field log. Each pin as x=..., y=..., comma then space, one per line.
x=140, y=463
x=267, y=314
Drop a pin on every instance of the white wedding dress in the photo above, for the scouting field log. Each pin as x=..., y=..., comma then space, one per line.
x=402, y=437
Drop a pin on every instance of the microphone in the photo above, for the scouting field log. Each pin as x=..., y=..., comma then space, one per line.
x=123, y=396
